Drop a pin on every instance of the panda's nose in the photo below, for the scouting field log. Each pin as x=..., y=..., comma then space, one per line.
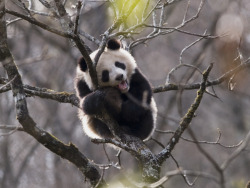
x=119, y=77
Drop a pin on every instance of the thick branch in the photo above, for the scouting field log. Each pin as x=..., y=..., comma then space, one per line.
x=92, y=71
x=135, y=146
x=39, y=24
x=147, y=161
x=67, y=25
x=66, y=97
x=62, y=96
x=69, y=152
x=76, y=38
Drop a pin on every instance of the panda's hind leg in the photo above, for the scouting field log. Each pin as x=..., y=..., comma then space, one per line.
x=142, y=129
x=99, y=128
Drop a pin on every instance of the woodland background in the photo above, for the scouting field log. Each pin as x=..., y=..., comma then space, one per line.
x=46, y=60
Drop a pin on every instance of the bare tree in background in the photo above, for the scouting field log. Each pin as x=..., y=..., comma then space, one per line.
x=195, y=53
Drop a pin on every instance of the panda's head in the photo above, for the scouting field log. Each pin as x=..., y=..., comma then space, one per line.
x=114, y=68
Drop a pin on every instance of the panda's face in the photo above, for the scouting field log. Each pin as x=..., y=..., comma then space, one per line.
x=115, y=68
x=114, y=74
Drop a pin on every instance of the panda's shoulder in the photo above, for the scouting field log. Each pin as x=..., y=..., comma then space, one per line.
x=138, y=76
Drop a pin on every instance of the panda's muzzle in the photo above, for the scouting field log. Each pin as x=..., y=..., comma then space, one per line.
x=123, y=85
x=119, y=77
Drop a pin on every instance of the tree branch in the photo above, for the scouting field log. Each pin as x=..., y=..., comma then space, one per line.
x=217, y=142
x=71, y=98
x=39, y=24
x=217, y=81
x=61, y=96
x=79, y=6
x=180, y=172
x=69, y=152
x=133, y=145
x=225, y=164
x=186, y=120
x=76, y=38
x=147, y=160
x=122, y=18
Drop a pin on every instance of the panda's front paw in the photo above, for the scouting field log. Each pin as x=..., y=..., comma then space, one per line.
x=112, y=100
x=93, y=103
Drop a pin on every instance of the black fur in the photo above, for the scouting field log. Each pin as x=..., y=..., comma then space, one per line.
x=105, y=76
x=138, y=118
x=82, y=88
x=120, y=65
x=100, y=128
x=113, y=44
x=138, y=85
x=82, y=64
x=93, y=103
x=133, y=118
x=125, y=108
x=108, y=98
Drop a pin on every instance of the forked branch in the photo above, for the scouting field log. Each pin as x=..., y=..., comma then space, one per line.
x=186, y=120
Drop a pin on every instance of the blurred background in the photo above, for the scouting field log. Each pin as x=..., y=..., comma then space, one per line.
x=46, y=60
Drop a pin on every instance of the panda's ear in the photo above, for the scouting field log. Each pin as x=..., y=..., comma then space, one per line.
x=82, y=64
x=113, y=44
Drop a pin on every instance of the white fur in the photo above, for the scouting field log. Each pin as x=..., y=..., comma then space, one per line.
x=85, y=123
x=88, y=131
x=154, y=110
x=107, y=62
x=84, y=76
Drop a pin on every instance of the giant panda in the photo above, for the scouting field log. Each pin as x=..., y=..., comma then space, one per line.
x=123, y=90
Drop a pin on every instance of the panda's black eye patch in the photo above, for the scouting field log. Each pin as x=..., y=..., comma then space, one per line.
x=120, y=65
x=105, y=76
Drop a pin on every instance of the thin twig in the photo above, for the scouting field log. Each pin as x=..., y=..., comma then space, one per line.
x=179, y=66
x=45, y=3
x=79, y=6
x=13, y=21
x=7, y=84
x=202, y=141
x=185, y=15
x=25, y=8
x=89, y=37
x=236, y=153
x=189, y=46
x=106, y=153
x=40, y=24
x=183, y=174
x=11, y=132
x=180, y=172
x=217, y=81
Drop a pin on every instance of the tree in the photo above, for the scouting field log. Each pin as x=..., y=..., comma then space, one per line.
x=54, y=34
